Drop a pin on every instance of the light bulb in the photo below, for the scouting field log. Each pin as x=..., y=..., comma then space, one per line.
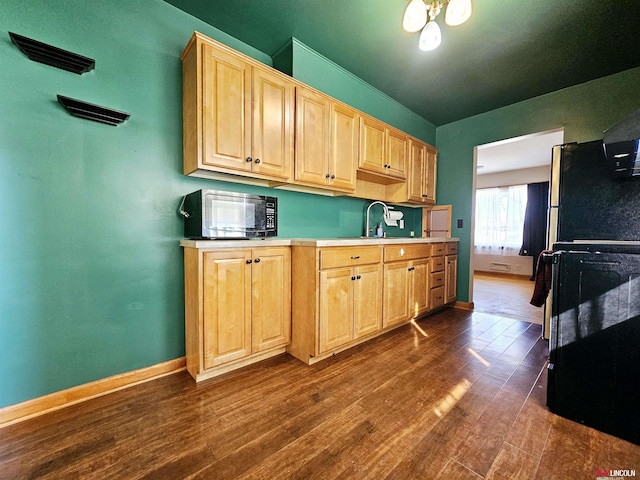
x=430, y=37
x=458, y=12
x=415, y=16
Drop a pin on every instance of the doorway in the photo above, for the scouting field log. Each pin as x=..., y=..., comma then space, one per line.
x=500, y=286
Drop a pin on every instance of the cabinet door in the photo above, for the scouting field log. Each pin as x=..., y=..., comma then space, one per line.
x=226, y=110
x=431, y=165
x=343, y=147
x=396, y=293
x=397, y=152
x=272, y=127
x=451, y=278
x=417, y=171
x=336, y=308
x=312, y=138
x=367, y=309
x=372, y=145
x=419, y=288
x=227, y=306
x=270, y=298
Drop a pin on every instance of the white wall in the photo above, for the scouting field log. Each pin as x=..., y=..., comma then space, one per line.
x=514, y=177
x=516, y=265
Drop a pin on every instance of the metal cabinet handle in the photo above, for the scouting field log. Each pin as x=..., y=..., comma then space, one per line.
x=257, y=160
x=358, y=277
x=332, y=177
x=355, y=257
x=327, y=176
x=249, y=261
x=248, y=159
x=353, y=278
x=257, y=260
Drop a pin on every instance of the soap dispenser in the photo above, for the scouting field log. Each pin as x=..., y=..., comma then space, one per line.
x=379, y=231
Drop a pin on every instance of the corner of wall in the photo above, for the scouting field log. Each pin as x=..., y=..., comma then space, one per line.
x=283, y=58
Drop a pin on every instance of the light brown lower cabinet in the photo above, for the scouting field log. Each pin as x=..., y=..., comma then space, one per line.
x=437, y=277
x=336, y=299
x=237, y=309
x=406, y=283
x=451, y=278
x=350, y=304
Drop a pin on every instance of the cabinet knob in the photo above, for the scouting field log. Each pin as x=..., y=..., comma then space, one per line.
x=359, y=277
x=353, y=278
x=327, y=176
x=248, y=159
x=257, y=160
x=257, y=260
x=249, y=261
x=355, y=257
x=332, y=177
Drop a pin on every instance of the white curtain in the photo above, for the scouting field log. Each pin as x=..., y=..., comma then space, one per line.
x=500, y=220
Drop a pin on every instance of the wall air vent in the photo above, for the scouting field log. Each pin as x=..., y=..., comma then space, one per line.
x=81, y=109
x=500, y=267
x=54, y=56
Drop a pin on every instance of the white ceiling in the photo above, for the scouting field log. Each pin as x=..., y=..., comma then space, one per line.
x=517, y=153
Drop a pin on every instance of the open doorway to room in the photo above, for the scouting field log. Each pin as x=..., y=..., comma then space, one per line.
x=508, y=175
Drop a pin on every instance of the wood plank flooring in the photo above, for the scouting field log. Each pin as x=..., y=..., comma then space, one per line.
x=506, y=296
x=461, y=397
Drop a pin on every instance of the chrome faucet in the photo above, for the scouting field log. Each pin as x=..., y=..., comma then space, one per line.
x=386, y=214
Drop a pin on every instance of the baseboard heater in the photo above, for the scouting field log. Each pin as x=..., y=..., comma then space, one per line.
x=500, y=267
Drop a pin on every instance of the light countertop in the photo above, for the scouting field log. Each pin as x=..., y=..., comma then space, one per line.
x=310, y=242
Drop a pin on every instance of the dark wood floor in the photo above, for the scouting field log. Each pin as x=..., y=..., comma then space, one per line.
x=459, y=396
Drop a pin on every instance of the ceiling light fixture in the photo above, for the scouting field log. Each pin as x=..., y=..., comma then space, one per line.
x=420, y=15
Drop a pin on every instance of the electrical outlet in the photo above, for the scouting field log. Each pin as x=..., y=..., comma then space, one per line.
x=459, y=223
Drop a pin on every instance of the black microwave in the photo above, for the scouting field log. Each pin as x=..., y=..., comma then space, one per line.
x=230, y=215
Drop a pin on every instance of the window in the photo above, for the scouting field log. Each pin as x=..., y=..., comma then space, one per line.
x=500, y=219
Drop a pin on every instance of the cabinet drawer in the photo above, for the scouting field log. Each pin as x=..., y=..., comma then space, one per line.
x=349, y=256
x=437, y=279
x=394, y=253
x=437, y=264
x=437, y=249
x=437, y=297
x=452, y=248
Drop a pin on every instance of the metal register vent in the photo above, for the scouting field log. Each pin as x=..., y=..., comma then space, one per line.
x=54, y=56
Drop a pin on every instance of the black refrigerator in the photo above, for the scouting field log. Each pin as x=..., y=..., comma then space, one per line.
x=594, y=234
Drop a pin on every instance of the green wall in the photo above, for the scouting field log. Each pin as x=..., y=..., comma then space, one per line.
x=584, y=111
x=91, y=283
x=311, y=68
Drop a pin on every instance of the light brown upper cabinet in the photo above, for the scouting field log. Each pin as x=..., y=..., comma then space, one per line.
x=246, y=122
x=326, y=142
x=383, y=151
x=238, y=116
x=421, y=184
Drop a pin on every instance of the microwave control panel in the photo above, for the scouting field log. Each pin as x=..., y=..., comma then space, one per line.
x=271, y=205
